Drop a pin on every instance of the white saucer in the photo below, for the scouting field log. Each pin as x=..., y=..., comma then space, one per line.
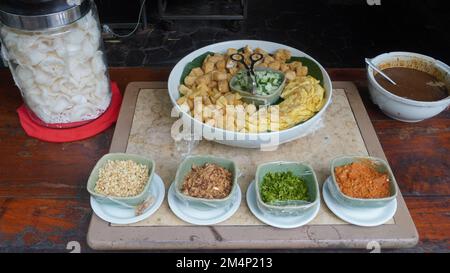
x=364, y=217
x=202, y=216
x=117, y=214
x=284, y=222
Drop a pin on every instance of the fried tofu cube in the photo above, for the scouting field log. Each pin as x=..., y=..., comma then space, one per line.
x=231, y=51
x=294, y=65
x=302, y=71
x=223, y=86
x=184, y=89
x=181, y=100
x=211, y=122
x=190, y=104
x=221, y=101
x=205, y=79
x=219, y=76
x=208, y=66
x=230, y=98
x=208, y=112
x=220, y=65
x=196, y=72
x=268, y=59
x=275, y=65
x=250, y=109
x=282, y=55
x=290, y=75
x=202, y=89
x=189, y=80
x=261, y=51
x=185, y=108
x=212, y=84
x=215, y=58
x=207, y=100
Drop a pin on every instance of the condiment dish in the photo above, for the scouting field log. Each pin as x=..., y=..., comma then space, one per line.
x=380, y=165
x=203, y=215
x=359, y=216
x=256, y=99
x=117, y=214
x=199, y=160
x=280, y=221
x=130, y=201
x=294, y=207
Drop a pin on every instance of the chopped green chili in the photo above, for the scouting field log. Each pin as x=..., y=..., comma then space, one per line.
x=283, y=186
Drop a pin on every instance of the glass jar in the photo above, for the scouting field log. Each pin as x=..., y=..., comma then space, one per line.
x=56, y=58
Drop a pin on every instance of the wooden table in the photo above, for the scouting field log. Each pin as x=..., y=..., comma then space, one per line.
x=44, y=203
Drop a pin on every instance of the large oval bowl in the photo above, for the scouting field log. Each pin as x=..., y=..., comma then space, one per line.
x=246, y=140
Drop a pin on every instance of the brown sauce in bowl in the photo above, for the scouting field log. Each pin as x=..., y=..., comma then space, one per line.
x=413, y=84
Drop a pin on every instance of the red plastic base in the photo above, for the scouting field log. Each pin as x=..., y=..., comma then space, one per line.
x=83, y=130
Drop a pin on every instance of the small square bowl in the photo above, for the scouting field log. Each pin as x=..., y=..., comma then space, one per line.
x=301, y=170
x=260, y=99
x=200, y=160
x=381, y=165
x=132, y=200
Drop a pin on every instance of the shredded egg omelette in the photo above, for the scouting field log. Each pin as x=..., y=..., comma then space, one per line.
x=303, y=98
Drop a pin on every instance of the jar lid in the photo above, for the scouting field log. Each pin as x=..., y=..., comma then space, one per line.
x=42, y=14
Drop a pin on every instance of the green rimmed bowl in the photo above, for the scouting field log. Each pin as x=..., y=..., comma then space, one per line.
x=301, y=170
x=259, y=99
x=127, y=201
x=199, y=160
x=381, y=166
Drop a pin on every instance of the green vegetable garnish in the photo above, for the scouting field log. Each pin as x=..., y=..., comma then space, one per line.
x=283, y=186
x=267, y=81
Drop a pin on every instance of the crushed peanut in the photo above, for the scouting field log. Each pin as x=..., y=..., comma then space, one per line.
x=122, y=178
x=209, y=181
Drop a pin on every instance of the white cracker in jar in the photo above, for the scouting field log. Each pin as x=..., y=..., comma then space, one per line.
x=78, y=69
x=25, y=76
x=75, y=36
x=60, y=105
x=34, y=57
x=60, y=48
x=41, y=77
x=61, y=74
x=97, y=63
x=80, y=112
x=88, y=49
x=53, y=65
x=79, y=99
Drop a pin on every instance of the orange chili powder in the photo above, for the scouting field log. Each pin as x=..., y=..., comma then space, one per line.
x=362, y=180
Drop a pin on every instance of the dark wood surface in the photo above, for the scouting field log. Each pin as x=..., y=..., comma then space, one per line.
x=44, y=203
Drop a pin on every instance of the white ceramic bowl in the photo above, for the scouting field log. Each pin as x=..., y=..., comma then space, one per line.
x=247, y=140
x=405, y=109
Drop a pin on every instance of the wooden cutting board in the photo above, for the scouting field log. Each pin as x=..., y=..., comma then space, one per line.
x=144, y=128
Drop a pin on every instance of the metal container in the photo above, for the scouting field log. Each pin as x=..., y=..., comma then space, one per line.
x=55, y=53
